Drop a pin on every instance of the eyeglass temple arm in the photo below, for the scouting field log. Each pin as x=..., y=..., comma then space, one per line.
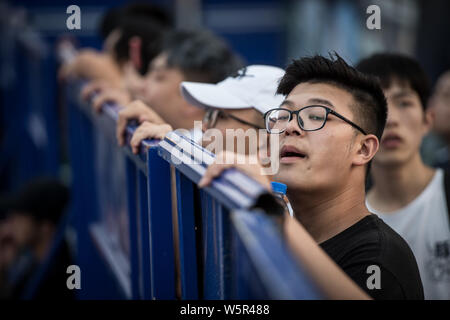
x=348, y=121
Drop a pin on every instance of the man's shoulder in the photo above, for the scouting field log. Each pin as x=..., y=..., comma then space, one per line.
x=397, y=259
x=391, y=243
x=371, y=244
x=383, y=242
x=365, y=232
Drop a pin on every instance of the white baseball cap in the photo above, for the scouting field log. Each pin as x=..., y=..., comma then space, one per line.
x=253, y=86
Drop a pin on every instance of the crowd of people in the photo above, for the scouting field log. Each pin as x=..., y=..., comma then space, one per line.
x=348, y=144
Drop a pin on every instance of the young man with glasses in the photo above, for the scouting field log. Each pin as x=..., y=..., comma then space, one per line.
x=329, y=127
x=407, y=194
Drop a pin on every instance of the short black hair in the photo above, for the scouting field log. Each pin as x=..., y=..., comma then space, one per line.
x=150, y=35
x=109, y=22
x=200, y=55
x=369, y=109
x=115, y=17
x=43, y=198
x=148, y=11
x=137, y=19
x=390, y=67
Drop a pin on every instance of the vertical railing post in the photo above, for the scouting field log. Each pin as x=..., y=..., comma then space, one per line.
x=162, y=259
x=144, y=230
x=214, y=247
x=186, y=236
x=133, y=228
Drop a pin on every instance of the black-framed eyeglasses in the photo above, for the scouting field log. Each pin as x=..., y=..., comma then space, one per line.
x=310, y=118
x=212, y=115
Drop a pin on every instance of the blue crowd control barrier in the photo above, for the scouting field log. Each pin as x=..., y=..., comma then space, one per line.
x=143, y=268
x=169, y=239
x=29, y=122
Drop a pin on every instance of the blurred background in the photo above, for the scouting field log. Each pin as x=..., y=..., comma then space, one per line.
x=261, y=31
x=32, y=116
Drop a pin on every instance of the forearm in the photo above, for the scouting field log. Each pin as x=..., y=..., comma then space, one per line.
x=328, y=276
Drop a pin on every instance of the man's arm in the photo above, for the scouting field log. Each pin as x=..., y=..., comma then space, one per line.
x=92, y=65
x=328, y=276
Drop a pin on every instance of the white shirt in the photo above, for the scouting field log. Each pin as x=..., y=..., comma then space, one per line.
x=424, y=224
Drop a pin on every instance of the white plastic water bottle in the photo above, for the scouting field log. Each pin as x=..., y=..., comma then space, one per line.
x=279, y=191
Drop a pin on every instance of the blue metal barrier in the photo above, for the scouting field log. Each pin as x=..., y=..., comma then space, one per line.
x=181, y=242
x=28, y=111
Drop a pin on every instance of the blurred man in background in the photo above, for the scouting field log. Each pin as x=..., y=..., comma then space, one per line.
x=238, y=102
x=131, y=40
x=439, y=106
x=407, y=194
x=186, y=56
x=27, y=235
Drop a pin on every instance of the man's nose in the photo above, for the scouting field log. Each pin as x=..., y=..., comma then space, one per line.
x=293, y=128
x=392, y=117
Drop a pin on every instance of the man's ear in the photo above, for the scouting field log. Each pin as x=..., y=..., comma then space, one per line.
x=429, y=118
x=366, y=149
x=134, y=47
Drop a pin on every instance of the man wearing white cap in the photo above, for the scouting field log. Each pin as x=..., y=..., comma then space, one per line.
x=238, y=102
x=249, y=94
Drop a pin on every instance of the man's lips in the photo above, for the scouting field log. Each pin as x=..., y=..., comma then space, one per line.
x=391, y=141
x=290, y=154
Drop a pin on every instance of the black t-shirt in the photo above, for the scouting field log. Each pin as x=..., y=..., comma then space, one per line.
x=377, y=259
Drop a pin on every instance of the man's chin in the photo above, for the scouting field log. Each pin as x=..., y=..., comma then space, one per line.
x=290, y=180
x=391, y=160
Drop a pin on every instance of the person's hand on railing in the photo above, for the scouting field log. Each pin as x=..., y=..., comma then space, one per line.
x=136, y=110
x=148, y=130
x=247, y=164
x=92, y=65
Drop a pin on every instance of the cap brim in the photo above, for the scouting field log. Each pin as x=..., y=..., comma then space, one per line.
x=207, y=95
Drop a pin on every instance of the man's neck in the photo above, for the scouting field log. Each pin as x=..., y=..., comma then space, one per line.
x=396, y=186
x=326, y=215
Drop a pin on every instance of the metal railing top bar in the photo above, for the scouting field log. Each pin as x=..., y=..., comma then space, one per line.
x=233, y=188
